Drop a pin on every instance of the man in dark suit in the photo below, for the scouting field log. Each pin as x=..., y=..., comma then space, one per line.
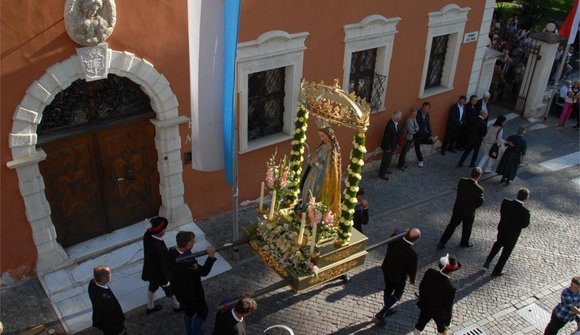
x=471, y=112
x=388, y=144
x=231, y=321
x=436, y=295
x=107, y=312
x=399, y=264
x=469, y=198
x=455, y=121
x=475, y=130
x=155, y=269
x=514, y=218
x=186, y=281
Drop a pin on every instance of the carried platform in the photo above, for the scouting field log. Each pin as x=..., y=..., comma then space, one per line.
x=332, y=262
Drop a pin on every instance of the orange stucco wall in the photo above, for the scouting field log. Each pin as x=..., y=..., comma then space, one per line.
x=34, y=38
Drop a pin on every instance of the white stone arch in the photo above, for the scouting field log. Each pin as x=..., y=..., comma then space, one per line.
x=25, y=155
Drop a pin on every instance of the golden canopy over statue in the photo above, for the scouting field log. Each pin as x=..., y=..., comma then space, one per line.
x=333, y=104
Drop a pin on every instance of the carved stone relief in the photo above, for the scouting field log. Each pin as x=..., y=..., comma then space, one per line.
x=94, y=61
x=89, y=22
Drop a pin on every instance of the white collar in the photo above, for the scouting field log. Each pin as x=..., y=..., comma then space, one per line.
x=157, y=237
x=106, y=287
x=411, y=243
x=521, y=202
x=236, y=316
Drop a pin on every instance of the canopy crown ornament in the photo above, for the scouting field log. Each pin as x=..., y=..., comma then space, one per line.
x=334, y=105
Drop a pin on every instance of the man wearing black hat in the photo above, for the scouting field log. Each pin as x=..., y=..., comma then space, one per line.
x=514, y=218
x=399, y=264
x=436, y=296
x=155, y=269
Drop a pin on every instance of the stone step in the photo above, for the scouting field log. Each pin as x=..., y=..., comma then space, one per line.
x=67, y=286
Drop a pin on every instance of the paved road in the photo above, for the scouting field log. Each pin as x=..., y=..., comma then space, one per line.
x=546, y=257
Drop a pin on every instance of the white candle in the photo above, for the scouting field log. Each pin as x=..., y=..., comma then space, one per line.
x=272, y=205
x=302, y=224
x=261, y=207
x=313, y=244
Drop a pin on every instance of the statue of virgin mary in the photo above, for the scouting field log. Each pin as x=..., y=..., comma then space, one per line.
x=321, y=178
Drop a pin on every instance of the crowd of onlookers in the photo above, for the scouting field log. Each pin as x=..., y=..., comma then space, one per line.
x=514, y=43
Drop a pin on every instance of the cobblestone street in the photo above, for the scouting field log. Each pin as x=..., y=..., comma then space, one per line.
x=545, y=258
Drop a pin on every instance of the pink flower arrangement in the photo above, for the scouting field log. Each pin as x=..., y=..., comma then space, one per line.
x=277, y=174
x=270, y=178
x=328, y=219
x=312, y=267
x=314, y=214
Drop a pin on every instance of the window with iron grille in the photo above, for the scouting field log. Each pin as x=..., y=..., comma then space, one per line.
x=93, y=104
x=266, y=103
x=362, y=73
x=436, y=61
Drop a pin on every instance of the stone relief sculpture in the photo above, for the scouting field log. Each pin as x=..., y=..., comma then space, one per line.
x=89, y=22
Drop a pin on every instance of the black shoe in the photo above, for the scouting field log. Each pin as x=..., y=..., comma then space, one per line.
x=459, y=165
x=442, y=153
x=472, y=165
x=507, y=182
x=470, y=245
x=389, y=171
x=379, y=319
x=390, y=312
x=486, y=265
x=156, y=308
x=177, y=310
x=497, y=274
x=402, y=168
x=452, y=150
x=440, y=246
x=383, y=177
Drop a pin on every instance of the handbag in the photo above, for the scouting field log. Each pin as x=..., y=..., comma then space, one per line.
x=401, y=140
x=494, y=150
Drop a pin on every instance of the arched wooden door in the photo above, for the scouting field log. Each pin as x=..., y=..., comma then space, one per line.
x=101, y=168
x=101, y=181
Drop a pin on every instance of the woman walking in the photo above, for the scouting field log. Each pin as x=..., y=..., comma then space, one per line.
x=571, y=99
x=511, y=159
x=494, y=135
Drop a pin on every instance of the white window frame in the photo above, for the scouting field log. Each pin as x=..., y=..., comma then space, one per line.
x=273, y=49
x=374, y=31
x=450, y=20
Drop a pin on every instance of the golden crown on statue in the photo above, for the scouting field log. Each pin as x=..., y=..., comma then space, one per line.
x=334, y=105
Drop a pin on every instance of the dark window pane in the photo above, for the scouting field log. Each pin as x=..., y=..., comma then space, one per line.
x=266, y=103
x=85, y=104
x=436, y=61
x=362, y=72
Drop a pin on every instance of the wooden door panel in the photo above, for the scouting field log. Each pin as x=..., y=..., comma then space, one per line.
x=130, y=178
x=72, y=188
